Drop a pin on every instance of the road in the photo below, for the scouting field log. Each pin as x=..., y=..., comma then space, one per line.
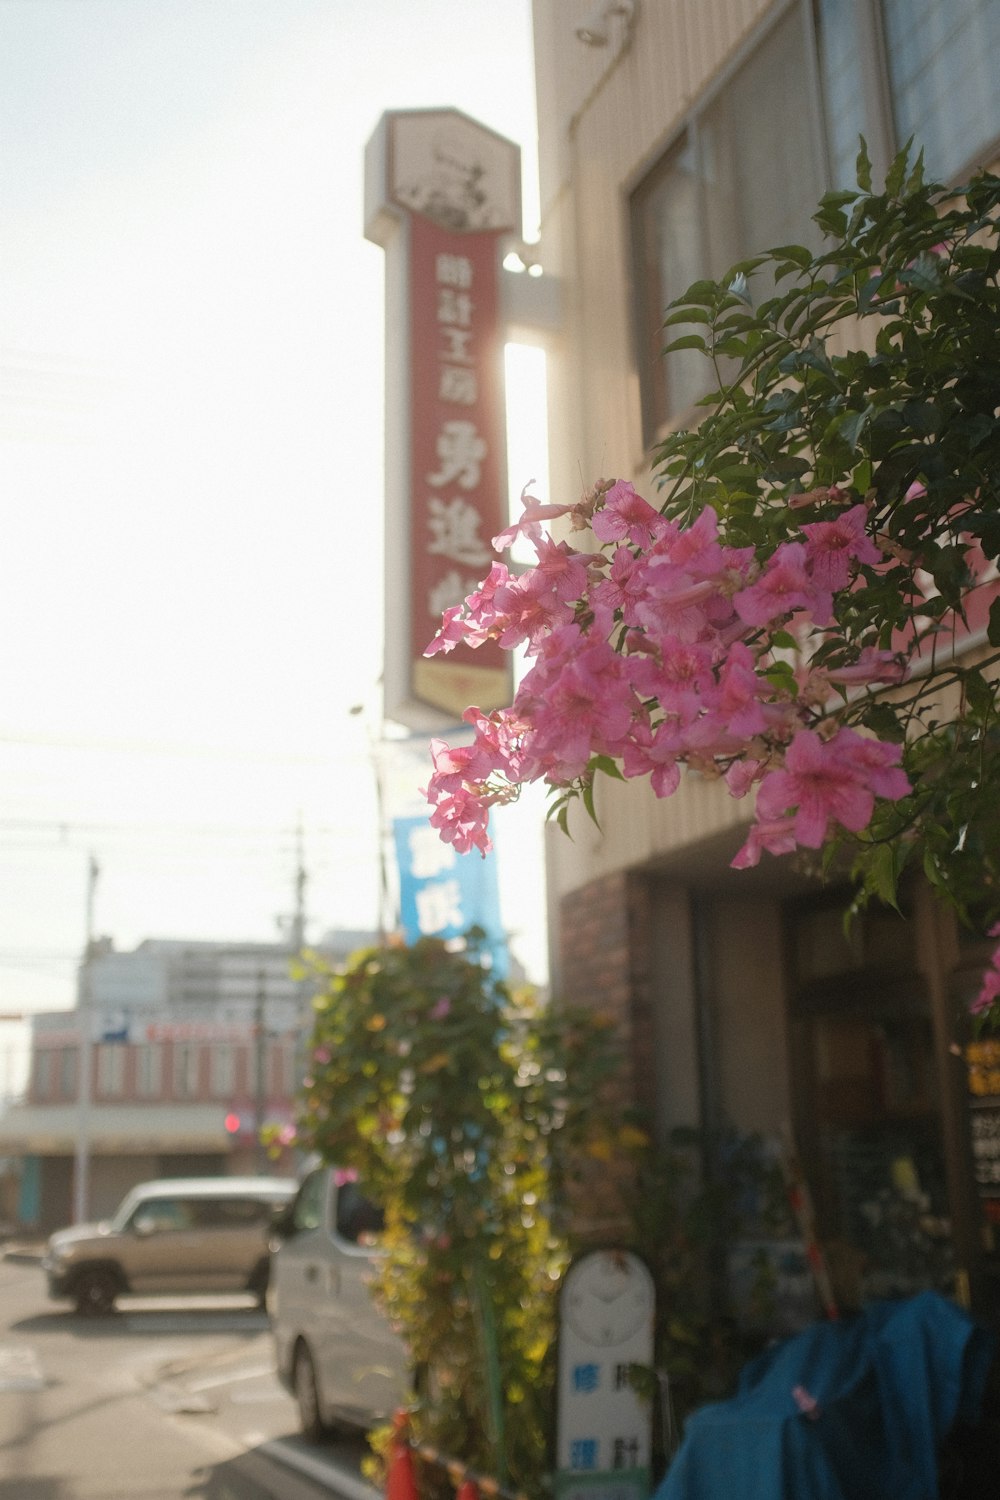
x=164, y=1400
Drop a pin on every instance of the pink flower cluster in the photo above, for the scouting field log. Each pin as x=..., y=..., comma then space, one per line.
x=655, y=652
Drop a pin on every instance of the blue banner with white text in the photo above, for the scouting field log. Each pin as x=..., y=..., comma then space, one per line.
x=443, y=893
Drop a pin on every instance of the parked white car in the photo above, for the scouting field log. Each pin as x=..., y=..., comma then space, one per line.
x=335, y=1350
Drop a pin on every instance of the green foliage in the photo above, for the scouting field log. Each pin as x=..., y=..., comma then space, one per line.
x=458, y=1105
x=874, y=367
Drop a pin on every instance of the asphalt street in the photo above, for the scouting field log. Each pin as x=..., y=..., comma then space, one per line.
x=166, y=1399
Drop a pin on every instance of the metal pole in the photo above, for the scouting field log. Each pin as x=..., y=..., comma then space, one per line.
x=260, y=1072
x=85, y=1054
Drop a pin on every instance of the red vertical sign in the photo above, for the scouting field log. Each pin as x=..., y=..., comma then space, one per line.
x=457, y=453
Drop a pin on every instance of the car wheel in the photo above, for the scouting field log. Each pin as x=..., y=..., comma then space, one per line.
x=307, y=1397
x=95, y=1293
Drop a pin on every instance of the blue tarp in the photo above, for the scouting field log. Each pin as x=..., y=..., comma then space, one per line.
x=854, y=1410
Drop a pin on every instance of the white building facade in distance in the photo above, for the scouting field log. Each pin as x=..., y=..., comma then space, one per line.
x=176, y=1057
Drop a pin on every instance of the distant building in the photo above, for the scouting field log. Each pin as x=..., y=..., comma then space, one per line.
x=195, y=1046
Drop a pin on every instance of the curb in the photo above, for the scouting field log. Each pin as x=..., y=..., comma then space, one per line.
x=333, y=1476
x=24, y=1255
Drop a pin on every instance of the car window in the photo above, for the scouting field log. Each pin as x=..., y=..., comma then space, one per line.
x=230, y=1213
x=359, y=1220
x=307, y=1210
x=157, y=1215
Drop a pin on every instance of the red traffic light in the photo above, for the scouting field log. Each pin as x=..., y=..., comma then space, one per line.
x=232, y=1123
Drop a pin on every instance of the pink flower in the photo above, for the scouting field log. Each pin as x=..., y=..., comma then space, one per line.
x=533, y=512
x=677, y=673
x=626, y=516
x=740, y=690
x=452, y=631
x=625, y=586
x=785, y=585
x=461, y=819
x=775, y=835
x=440, y=1009
x=579, y=702
x=872, y=665
x=833, y=780
x=832, y=547
x=989, y=990
x=696, y=547
x=654, y=753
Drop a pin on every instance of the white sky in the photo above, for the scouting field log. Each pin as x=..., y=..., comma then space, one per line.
x=191, y=442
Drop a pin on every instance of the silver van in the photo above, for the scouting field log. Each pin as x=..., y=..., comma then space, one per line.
x=182, y=1234
x=335, y=1351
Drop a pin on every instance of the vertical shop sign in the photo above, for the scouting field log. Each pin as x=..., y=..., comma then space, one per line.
x=442, y=193
x=604, y=1437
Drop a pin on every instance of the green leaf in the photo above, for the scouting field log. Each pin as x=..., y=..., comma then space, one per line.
x=799, y=254
x=884, y=722
x=588, y=802
x=688, y=315
x=882, y=874
x=981, y=695
x=923, y=416
x=863, y=166
x=896, y=175
x=607, y=765
x=701, y=293
x=993, y=628
x=852, y=425
x=687, y=341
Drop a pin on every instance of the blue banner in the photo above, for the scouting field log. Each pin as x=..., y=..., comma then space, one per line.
x=442, y=893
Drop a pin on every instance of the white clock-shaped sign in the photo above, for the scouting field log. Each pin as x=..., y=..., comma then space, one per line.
x=608, y=1298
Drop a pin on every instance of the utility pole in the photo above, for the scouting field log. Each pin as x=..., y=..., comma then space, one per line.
x=297, y=936
x=85, y=1056
x=376, y=745
x=260, y=1070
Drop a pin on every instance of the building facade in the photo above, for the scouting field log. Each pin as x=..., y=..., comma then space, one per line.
x=176, y=1057
x=676, y=137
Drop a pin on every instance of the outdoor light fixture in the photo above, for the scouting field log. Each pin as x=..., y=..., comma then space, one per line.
x=594, y=33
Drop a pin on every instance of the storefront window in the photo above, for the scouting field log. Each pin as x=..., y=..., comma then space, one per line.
x=869, y=1113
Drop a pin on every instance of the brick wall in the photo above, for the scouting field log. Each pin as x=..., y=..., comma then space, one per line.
x=604, y=936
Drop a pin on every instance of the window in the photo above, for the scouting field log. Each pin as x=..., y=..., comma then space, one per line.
x=941, y=60
x=899, y=69
x=111, y=1071
x=307, y=1210
x=359, y=1220
x=223, y=1070
x=185, y=1070
x=230, y=1213
x=746, y=175
x=160, y=1216
x=740, y=179
x=67, y=1072
x=149, y=1070
x=44, y=1075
